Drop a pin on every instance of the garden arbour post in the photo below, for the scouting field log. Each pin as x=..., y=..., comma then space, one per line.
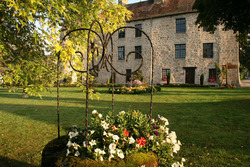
x=106, y=61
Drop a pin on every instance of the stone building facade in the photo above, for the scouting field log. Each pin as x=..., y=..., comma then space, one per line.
x=181, y=48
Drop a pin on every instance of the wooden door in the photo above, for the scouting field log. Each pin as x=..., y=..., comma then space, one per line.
x=190, y=75
x=128, y=75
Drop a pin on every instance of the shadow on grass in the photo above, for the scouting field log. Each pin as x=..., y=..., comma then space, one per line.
x=7, y=162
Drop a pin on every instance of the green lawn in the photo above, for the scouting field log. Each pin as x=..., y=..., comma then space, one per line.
x=212, y=124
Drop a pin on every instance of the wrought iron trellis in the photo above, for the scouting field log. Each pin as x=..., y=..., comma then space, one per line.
x=105, y=61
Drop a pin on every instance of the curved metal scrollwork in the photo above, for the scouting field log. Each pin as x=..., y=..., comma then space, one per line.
x=105, y=61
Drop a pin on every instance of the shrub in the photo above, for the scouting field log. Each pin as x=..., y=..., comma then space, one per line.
x=168, y=78
x=202, y=79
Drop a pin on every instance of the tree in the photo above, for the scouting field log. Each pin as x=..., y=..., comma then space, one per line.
x=233, y=14
x=23, y=45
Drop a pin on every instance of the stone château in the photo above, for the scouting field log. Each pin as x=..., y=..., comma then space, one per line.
x=181, y=48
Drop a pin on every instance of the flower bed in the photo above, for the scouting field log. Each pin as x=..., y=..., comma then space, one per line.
x=115, y=139
x=134, y=90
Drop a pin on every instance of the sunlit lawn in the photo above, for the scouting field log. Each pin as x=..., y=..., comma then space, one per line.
x=212, y=124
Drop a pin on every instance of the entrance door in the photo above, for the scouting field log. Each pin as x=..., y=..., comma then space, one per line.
x=190, y=75
x=128, y=75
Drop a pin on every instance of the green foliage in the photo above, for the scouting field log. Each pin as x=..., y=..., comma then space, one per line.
x=230, y=13
x=201, y=79
x=168, y=78
x=22, y=43
x=138, y=76
x=220, y=73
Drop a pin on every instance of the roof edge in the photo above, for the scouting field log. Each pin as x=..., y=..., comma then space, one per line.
x=166, y=15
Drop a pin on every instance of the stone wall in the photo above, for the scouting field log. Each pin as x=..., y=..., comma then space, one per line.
x=162, y=31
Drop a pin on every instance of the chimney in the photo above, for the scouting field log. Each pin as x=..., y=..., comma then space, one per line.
x=158, y=1
x=123, y=2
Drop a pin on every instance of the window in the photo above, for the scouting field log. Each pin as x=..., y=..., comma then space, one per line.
x=137, y=32
x=121, y=33
x=208, y=50
x=212, y=75
x=164, y=74
x=138, y=49
x=121, y=53
x=180, y=25
x=180, y=51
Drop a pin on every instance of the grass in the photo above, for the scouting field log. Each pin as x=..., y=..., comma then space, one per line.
x=212, y=124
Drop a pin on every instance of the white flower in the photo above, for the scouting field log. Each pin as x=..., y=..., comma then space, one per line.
x=110, y=134
x=131, y=140
x=111, y=156
x=97, y=150
x=92, y=142
x=163, y=141
x=77, y=153
x=75, y=145
x=183, y=160
x=101, y=158
x=92, y=131
x=84, y=144
x=69, y=143
x=166, y=122
x=94, y=112
x=104, y=133
x=176, y=148
x=167, y=131
x=120, y=154
x=115, y=138
x=176, y=164
x=68, y=152
x=102, y=152
x=137, y=145
x=157, y=143
x=100, y=115
x=104, y=125
x=172, y=135
x=162, y=127
x=112, y=151
x=153, y=120
x=122, y=112
x=151, y=138
x=112, y=146
x=164, y=119
x=71, y=134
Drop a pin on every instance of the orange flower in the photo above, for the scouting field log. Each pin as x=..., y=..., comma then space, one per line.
x=126, y=133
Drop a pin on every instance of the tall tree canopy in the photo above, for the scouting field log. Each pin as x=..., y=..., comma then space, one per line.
x=23, y=46
x=233, y=14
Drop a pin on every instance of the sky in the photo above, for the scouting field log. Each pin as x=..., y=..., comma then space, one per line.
x=133, y=1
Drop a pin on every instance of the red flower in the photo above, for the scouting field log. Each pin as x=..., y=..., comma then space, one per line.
x=141, y=141
x=113, y=127
x=126, y=133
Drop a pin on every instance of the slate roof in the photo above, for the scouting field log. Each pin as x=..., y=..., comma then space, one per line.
x=149, y=9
